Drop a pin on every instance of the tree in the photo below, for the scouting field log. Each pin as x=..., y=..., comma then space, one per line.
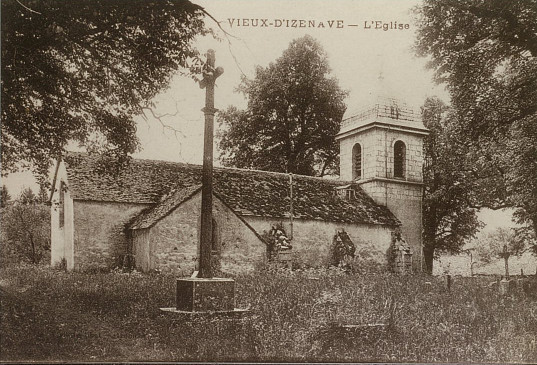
x=501, y=243
x=486, y=52
x=43, y=195
x=79, y=71
x=27, y=197
x=448, y=219
x=26, y=228
x=5, y=196
x=293, y=114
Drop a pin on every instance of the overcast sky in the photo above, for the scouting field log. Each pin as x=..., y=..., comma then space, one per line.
x=357, y=56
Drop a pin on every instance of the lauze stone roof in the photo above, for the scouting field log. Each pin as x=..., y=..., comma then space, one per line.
x=168, y=203
x=247, y=192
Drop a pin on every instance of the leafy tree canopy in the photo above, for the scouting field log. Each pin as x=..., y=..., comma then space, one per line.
x=5, y=197
x=500, y=244
x=449, y=220
x=25, y=228
x=294, y=112
x=27, y=197
x=486, y=52
x=80, y=71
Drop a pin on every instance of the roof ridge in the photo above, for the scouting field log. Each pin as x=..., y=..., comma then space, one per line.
x=135, y=159
x=243, y=169
x=277, y=173
x=176, y=190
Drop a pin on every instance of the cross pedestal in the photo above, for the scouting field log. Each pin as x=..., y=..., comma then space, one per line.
x=206, y=297
x=205, y=294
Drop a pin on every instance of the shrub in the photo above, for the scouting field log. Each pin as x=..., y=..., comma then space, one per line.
x=26, y=231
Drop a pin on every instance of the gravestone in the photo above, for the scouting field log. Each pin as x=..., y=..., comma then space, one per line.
x=402, y=254
x=285, y=258
x=448, y=281
x=506, y=287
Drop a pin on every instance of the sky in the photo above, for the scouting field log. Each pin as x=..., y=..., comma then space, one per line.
x=356, y=55
x=352, y=33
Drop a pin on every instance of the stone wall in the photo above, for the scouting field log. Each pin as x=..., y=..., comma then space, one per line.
x=242, y=250
x=99, y=235
x=171, y=245
x=372, y=161
x=141, y=249
x=378, y=155
x=312, y=239
x=405, y=201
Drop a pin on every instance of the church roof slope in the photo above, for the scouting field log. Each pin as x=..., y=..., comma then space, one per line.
x=169, y=202
x=247, y=192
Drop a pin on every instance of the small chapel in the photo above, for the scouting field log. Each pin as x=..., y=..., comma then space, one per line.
x=148, y=214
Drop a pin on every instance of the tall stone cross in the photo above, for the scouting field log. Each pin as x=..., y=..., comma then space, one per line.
x=210, y=74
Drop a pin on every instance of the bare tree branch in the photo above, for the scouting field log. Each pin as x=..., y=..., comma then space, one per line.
x=27, y=8
x=162, y=123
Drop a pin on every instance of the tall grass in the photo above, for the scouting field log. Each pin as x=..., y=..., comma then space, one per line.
x=293, y=316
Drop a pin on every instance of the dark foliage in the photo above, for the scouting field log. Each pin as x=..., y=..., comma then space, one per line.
x=486, y=52
x=26, y=229
x=5, y=197
x=294, y=112
x=449, y=219
x=80, y=70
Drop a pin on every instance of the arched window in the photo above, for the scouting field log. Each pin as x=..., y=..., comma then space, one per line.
x=62, y=204
x=399, y=157
x=215, y=239
x=357, y=162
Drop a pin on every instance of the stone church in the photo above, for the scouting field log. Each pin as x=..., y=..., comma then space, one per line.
x=149, y=213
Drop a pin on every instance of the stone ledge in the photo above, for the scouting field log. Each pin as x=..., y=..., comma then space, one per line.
x=226, y=313
x=383, y=179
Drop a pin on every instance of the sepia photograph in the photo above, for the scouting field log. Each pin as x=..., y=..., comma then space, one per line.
x=296, y=181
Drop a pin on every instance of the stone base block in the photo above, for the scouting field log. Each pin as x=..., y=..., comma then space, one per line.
x=285, y=259
x=205, y=294
x=507, y=287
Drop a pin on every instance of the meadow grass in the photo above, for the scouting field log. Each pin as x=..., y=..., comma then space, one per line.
x=294, y=316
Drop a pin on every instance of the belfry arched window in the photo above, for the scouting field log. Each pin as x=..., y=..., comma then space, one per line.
x=399, y=159
x=357, y=162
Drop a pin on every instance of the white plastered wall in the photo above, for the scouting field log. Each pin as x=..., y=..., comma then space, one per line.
x=61, y=238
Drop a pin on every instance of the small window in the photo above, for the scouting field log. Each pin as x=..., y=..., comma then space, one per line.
x=357, y=162
x=62, y=204
x=214, y=239
x=399, y=159
x=345, y=192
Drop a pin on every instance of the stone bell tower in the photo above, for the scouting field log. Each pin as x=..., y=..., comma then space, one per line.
x=381, y=149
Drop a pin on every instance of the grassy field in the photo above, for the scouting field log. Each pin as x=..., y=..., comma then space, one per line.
x=294, y=316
